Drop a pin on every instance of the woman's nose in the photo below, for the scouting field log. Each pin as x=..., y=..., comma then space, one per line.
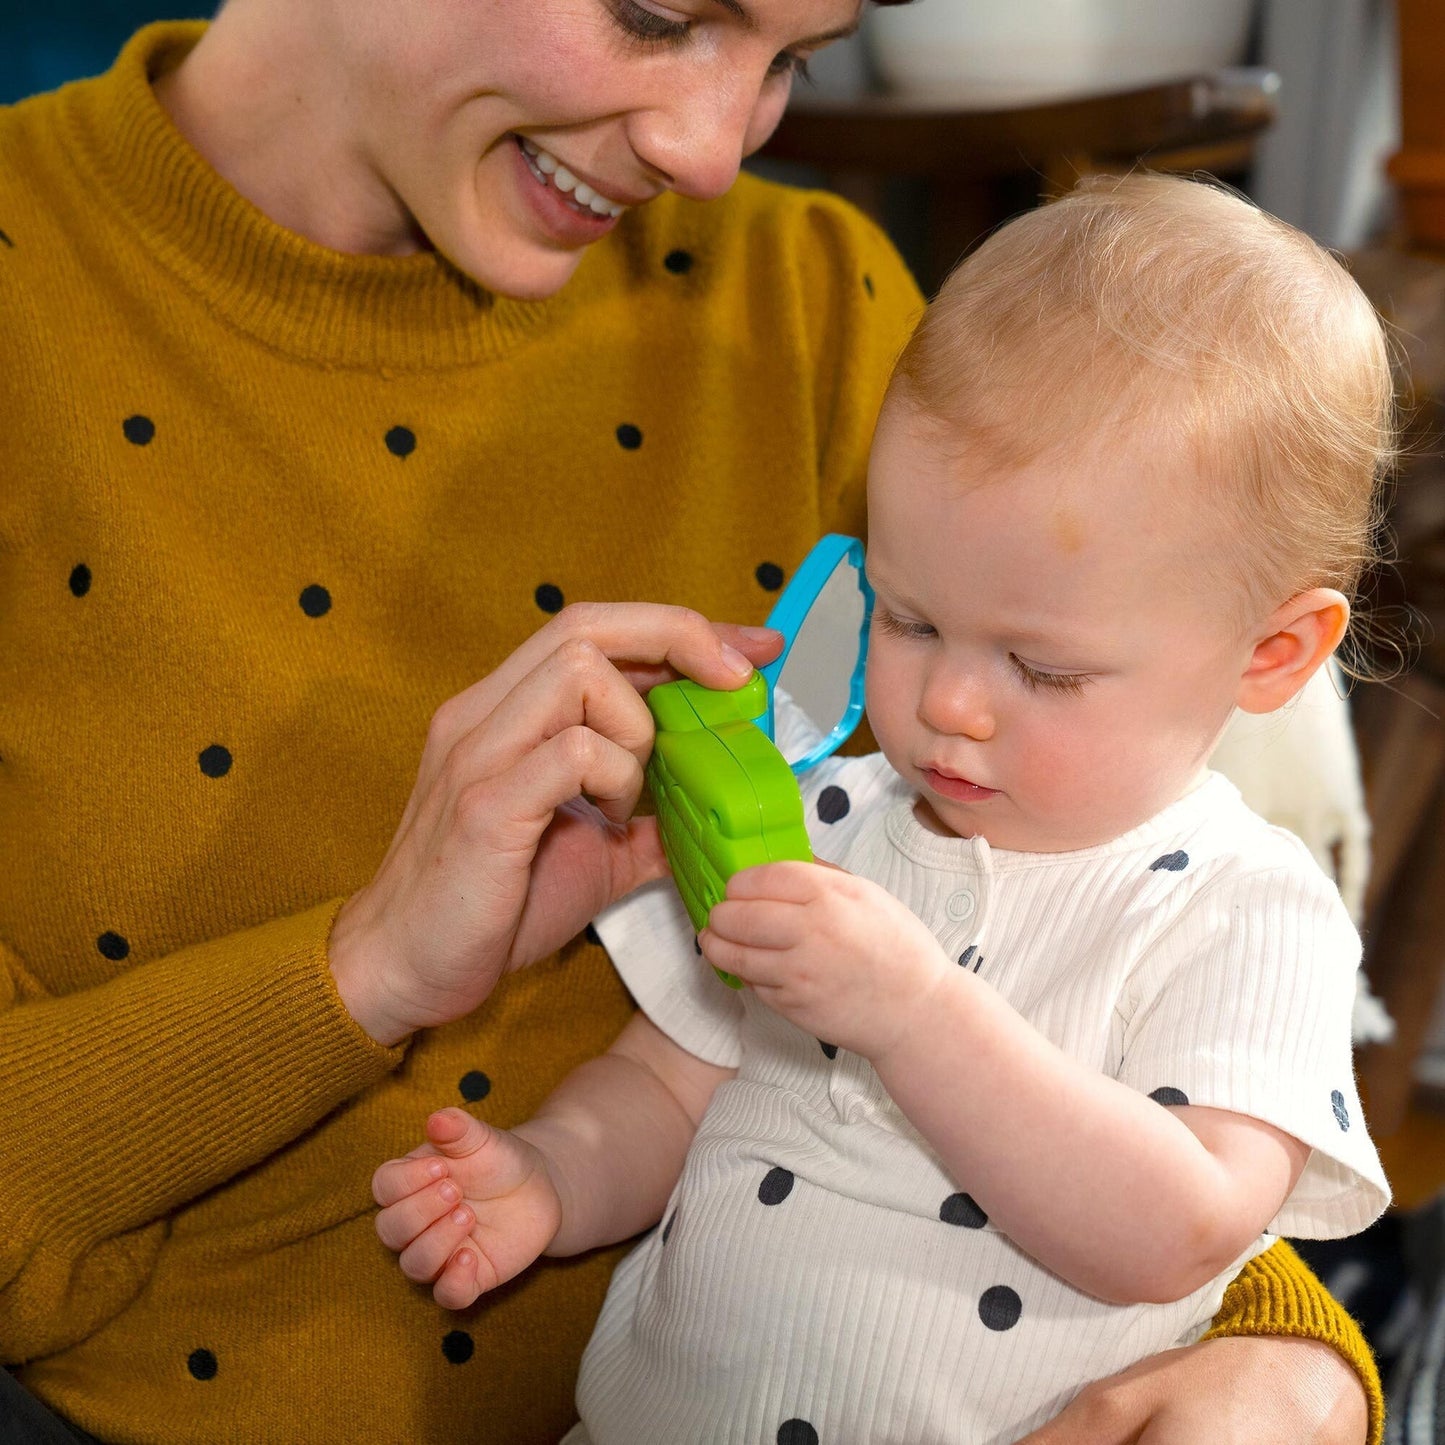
x=697, y=142
x=956, y=705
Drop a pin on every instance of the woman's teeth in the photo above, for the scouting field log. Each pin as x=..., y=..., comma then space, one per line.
x=547, y=168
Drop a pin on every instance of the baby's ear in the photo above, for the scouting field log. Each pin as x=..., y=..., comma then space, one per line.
x=1292, y=643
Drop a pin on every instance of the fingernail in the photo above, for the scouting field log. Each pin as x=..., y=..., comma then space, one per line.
x=760, y=634
x=450, y=1192
x=436, y=1169
x=461, y=1216
x=735, y=659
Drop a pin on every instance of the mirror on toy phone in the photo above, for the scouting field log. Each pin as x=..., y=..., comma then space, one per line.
x=824, y=614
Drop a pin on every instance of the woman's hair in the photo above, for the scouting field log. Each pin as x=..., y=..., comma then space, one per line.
x=1179, y=306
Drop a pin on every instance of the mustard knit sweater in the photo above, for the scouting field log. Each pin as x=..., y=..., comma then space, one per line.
x=262, y=508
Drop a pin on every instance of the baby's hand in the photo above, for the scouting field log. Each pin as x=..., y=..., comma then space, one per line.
x=467, y=1210
x=833, y=953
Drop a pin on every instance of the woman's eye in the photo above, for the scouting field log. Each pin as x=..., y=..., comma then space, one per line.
x=885, y=621
x=1067, y=682
x=644, y=24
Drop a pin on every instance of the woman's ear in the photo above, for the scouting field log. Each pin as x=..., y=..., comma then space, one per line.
x=1292, y=643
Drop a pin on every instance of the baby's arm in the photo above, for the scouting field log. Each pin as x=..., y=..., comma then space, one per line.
x=474, y=1206
x=1124, y=1199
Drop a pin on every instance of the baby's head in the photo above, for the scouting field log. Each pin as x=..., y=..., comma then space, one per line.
x=1124, y=481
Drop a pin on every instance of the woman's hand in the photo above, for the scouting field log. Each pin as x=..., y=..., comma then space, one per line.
x=519, y=828
x=1238, y=1390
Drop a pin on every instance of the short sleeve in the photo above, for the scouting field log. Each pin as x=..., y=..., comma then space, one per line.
x=649, y=938
x=1244, y=1005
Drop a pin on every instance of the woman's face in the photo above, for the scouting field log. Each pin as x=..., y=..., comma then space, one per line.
x=513, y=133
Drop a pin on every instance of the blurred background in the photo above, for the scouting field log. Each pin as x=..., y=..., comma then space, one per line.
x=945, y=117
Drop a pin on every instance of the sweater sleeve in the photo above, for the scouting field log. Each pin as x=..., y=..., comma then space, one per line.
x=208, y=1060
x=1276, y=1294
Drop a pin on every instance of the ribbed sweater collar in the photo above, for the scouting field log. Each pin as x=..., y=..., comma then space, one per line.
x=409, y=312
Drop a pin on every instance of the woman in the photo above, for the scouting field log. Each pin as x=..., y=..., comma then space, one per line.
x=348, y=340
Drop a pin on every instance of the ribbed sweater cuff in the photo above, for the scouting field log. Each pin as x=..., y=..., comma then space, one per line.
x=1276, y=1294
x=214, y=1058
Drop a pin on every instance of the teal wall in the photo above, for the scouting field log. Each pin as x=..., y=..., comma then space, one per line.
x=44, y=43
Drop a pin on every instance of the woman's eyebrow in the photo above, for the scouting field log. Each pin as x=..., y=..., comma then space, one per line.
x=746, y=16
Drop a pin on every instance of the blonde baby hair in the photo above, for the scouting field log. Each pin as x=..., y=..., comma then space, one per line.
x=1180, y=305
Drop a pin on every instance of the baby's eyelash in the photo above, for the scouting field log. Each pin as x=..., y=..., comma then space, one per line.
x=1066, y=682
x=900, y=627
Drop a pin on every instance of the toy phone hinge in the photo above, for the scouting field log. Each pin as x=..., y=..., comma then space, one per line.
x=787, y=617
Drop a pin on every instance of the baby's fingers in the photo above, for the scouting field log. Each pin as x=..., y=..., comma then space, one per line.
x=426, y=1257
x=458, y=1286
x=399, y=1224
x=757, y=923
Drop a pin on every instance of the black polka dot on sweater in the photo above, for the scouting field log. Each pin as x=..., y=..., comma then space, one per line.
x=833, y=804
x=458, y=1346
x=80, y=579
x=1168, y=1094
x=1342, y=1114
x=999, y=1307
x=667, y=1228
x=868, y=283
x=112, y=946
x=549, y=597
x=315, y=600
x=629, y=437
x=202, y=1364
x=215, y=761
x=678, y=262
x=401, y=441
x=1175, y=862
x=829, y=1050
x=6, y=241
x=776, y=1186
x=961, y=1209
x=139, y=430
x=474, y=1086
x=769, y=575
x=797, y=1432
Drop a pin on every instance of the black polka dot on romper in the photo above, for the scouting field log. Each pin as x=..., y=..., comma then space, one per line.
x=678, y=262
x=80, y=579
x=797, y=1432
x=474, y=1085
x=867, y=283
x=999, y=1307
x=1168, y=1094
x=401, y=441
x=1342, y=1114
x=833, y=804
x=202, y=1364
x=139, y=430
x=548, y=597
x=112, y=946
x=967, y=957
x=458, y=1346
x=961, y=1209
x=667, y=1228
x=1175, y=862
x=215, y=761
x=776, y=1186
x=769, y=575
x=591, y=934
x=315, y=600
x=629, y=437
x=830, y=1050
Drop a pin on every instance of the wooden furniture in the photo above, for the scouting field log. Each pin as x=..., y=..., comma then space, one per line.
x=976, y=167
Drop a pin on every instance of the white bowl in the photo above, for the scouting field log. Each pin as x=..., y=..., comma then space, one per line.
x=988, y=53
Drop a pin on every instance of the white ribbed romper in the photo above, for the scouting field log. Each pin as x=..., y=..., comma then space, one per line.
x=818, y=1278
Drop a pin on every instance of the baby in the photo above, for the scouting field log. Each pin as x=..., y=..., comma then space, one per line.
x=1063, y=1040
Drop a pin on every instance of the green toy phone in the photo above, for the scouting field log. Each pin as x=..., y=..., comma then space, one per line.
x=726, y=797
